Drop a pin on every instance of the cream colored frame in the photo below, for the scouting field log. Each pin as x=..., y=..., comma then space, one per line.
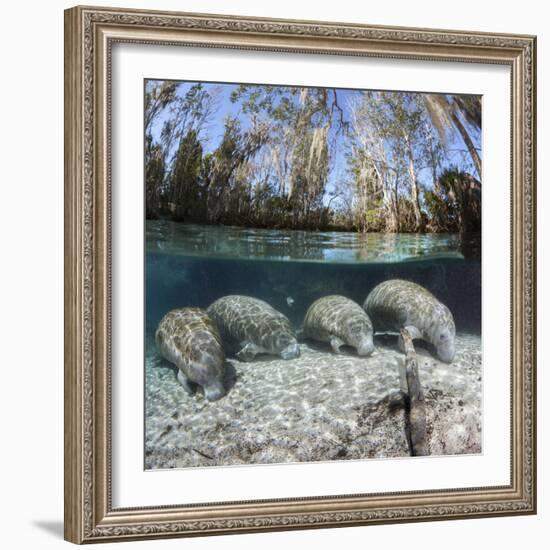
x=89, y=35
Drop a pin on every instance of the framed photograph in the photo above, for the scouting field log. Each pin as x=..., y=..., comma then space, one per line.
x=300, y=274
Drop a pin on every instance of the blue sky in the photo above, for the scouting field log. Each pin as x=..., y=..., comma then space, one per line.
x=211, y=138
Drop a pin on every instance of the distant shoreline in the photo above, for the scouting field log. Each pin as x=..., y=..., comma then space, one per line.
x=323, y=229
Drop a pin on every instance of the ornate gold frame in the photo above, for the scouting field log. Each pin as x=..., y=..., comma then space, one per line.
x=89, y=35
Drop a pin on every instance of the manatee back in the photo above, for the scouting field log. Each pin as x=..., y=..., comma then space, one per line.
x=186, y=335
x=396, y=303
x=333, y=315
x=243, y=318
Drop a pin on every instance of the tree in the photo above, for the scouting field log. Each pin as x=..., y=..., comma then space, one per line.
x=181, y=117
x=310, y=156
x=456, y=204
x=299, y=122
x=375, y=181
x=158, y=95
x=278, y=161
x=224, y=193
x=154, y=176
x=388, y=136
x=191, y=111
x=453, y=111
x=184, y=190
x=403, y=119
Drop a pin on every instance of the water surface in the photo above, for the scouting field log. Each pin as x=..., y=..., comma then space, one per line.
x=193, y=265
x=313, y=246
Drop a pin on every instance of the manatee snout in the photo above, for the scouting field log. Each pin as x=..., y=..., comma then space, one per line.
x=292, y=351
x=360, y=336
x=210, y=374
x=445, y=343
x=214, y=391
x=365, y=347
x=446, y=351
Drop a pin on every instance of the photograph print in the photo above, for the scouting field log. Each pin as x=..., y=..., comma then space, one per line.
x=312, y=274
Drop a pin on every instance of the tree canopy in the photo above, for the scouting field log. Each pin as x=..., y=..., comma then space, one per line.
x=313, y=158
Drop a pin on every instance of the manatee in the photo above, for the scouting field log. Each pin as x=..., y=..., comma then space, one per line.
x=252, y=326
x=397, y=304
x=340, y=321
x=189, y=339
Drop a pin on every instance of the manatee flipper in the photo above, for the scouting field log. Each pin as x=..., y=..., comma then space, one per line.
x=415, y=335
x=248, y=352
x=184, y=381
x=335, y=343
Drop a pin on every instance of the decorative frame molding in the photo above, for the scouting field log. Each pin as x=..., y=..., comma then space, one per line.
x=89, y=35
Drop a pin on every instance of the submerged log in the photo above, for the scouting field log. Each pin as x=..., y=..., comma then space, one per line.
x=416, y=404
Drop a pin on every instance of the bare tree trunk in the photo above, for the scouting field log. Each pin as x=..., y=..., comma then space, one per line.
x=433, y=161
x=414, y=188
x=467, y=140
x=391, y=224
x=396, y=203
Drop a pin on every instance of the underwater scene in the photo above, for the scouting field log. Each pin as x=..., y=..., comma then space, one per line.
x=312, y=274
x=320, y=405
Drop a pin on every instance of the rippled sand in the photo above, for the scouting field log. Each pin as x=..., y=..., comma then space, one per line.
x=318, y=407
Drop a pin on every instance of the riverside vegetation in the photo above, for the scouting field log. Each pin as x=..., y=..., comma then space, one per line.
x=312, y=158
